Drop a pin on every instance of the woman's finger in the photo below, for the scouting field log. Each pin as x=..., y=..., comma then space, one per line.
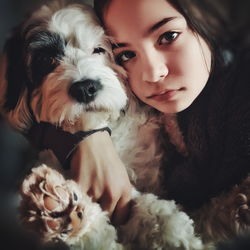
x=108, y=202
x=122, y=210
x=95, y=194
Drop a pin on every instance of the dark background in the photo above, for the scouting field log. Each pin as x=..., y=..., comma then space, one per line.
x=13, y=11
x=16, y=156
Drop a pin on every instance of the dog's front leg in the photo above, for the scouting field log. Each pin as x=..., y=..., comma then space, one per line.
x=56, y=209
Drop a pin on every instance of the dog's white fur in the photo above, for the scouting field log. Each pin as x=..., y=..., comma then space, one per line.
x=154, y=223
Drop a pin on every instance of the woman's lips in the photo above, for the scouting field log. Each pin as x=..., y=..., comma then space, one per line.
x=164, y=95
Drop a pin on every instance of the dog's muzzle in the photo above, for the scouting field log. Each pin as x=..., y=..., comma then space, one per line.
x=85, y=91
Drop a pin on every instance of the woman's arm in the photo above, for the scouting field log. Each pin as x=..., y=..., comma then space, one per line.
x=93, y=163
x=98, y=169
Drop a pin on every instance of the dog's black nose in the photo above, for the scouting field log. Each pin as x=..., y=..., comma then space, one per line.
x=85, y=91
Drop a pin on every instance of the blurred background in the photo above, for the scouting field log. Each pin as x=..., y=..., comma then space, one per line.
x=13, y=11
x=16, y=155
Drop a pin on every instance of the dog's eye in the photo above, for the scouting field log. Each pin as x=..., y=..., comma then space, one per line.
x=99, y=50
x=49, y=60
x=41, y=65
x=79, y=214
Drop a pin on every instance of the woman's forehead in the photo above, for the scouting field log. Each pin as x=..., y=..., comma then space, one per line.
x=140, y=15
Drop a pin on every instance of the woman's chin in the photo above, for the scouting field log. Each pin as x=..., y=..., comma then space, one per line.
x=173, y=108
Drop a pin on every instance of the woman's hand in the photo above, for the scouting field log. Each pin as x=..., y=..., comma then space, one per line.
x=98, y=169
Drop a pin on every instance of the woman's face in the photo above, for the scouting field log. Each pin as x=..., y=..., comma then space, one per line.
x=167, y=63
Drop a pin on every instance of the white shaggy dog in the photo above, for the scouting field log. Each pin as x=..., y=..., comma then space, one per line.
x=58, y=68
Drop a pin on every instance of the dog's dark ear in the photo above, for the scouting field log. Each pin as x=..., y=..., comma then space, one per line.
x=15, y=70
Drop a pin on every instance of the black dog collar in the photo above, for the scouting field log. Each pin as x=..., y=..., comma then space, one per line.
x=44, y=135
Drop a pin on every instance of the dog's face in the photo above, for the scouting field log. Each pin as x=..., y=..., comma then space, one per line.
x=58, y=67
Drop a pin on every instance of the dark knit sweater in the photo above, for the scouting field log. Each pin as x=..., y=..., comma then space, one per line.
x=216, y=130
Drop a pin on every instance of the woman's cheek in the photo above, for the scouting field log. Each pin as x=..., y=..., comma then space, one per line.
x=136, y=86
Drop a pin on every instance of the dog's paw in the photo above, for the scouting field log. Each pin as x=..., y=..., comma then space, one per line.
x=241, y=213
x=49, y=203
x=226, y=215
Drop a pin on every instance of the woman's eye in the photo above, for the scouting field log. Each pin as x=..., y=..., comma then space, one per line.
x=124, y=57
x=99, y=50
x=168, y=37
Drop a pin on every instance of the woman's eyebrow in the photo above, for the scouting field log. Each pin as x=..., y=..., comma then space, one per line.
x=159, y=24
x=149, y=31
x=118, y=45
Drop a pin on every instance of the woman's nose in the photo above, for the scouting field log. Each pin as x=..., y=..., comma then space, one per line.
x=154, y=67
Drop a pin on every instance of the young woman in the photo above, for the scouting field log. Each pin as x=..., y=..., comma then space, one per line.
x=174, y=57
